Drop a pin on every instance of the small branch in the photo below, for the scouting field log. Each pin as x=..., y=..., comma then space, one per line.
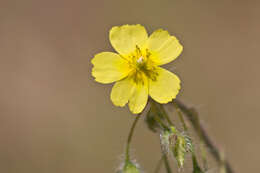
x=192, y=115
x=127, y=157
x=165, y=115
x=162, y=112
x=180, y=116
x=159, y=121
x=158, y=166
x=166, y=163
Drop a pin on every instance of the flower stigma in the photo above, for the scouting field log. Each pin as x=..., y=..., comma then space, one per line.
x=140, y=60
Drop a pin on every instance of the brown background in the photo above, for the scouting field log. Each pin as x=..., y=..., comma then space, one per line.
x=56, y=119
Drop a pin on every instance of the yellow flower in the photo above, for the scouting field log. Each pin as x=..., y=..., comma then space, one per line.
x=136, y=68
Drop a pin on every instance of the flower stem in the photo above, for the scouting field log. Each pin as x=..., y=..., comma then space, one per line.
x=158, y=166
x=127, y=157
x=166, y=163
x=159, y=121
x=180, y=116
x=193, y=117
x=164, y=114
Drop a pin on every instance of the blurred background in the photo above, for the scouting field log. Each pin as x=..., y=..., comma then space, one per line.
x=56, y=119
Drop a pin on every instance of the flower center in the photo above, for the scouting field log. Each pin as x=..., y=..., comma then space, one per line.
x=142, y=66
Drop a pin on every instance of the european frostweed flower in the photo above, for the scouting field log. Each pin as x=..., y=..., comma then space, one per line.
x=136, y=67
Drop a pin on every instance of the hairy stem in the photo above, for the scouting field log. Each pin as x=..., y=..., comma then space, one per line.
x=127, y=157
x=193, y=117
x=158, y=166
x=180, y=116
x=166, y=163
x=160, y=122
x=165, y=115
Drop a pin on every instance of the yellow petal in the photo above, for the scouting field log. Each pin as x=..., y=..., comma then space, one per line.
x=138, y=100
x=165, y=87
x=109, y=67
x=124, y=39
x=165, y=47
x=122, y=91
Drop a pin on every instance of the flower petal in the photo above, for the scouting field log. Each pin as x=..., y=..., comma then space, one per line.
x=122, y=91
x=109, y=67
x=165, y=47
x=139, y=98
x=124, y=39
x=165, y=87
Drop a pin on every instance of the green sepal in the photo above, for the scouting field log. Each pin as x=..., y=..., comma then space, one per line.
x=129, y=167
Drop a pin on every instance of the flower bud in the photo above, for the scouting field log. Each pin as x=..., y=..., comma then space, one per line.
x=182, y=146
x=129, y=167
x=165, y=139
